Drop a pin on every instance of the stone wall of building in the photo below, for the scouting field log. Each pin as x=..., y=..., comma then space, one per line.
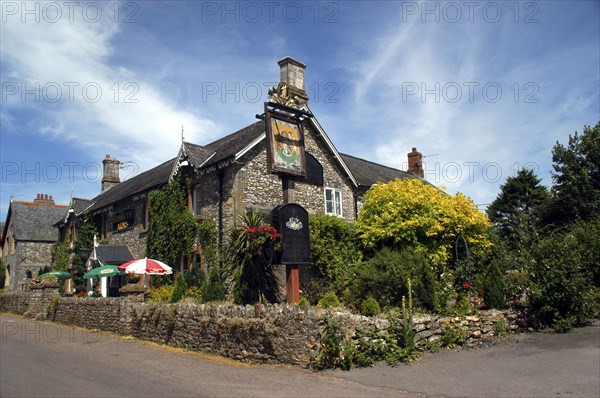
x=334, y=175
x=260, y=333
x=253, y=186
x=134, y=237
x=28, y=256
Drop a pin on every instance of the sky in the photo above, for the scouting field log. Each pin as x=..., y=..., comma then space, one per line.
x=481, y=88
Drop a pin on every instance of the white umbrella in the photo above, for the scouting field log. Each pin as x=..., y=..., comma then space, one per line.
x=146, y=266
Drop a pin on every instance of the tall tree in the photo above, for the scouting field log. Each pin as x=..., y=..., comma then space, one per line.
x=576, y=178
x=516, y=211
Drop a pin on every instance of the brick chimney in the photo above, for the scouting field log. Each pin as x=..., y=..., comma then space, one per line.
x=291, y=72
x=43, y=199
x=110, y=175
x=415, y=163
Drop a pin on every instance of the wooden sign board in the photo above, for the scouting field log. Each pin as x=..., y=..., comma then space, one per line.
x=285, y=145
x=292, y=221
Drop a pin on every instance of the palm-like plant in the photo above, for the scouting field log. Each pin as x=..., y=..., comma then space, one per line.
x=253, y=256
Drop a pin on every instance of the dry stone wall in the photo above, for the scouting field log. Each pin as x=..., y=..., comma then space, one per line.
x=260, y=333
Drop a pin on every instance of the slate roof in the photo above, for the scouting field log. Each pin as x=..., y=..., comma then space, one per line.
x=231, y=144
x=197, y=154
x=368, y=173
x=145, y=181
x=34, y=222
x=79, y=205
x=365, y=172
x=113, y=254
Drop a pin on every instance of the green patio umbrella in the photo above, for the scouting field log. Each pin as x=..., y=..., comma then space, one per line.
x=103, y=272
x=60, y=275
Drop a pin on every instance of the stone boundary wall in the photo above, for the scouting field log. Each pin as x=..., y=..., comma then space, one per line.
x=276, y=333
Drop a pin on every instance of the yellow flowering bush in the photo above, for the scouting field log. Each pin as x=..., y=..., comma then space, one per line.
x=413, y=213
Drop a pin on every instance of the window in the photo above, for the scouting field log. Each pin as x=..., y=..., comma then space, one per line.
x=333, y=201
x=197, y=200
x=144, y=215
x=104, y=227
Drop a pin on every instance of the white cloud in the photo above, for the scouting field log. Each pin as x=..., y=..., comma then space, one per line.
x=103, y=107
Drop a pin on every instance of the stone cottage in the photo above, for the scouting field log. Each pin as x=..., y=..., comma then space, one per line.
x=232, y=175
x=27, y=239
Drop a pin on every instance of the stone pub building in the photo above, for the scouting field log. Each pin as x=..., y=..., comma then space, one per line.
x=235, y=174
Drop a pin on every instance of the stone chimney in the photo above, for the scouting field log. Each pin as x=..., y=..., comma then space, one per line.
x=415, y=163
x=43, y=199
x=110, y=175
x=291, y=72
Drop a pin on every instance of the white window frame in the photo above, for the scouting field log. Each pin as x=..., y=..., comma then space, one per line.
x=197, y=200
x=336, y=202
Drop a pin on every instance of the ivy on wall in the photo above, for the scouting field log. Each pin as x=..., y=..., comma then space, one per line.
x=172, y=229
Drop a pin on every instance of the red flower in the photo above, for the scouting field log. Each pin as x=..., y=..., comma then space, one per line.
x=466, y=285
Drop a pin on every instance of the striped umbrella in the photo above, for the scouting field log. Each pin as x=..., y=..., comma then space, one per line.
x=146, y=266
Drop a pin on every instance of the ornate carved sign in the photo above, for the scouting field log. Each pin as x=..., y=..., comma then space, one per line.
x=292, y=221
x=285, y=140
x=123, y=220
x=280, y=95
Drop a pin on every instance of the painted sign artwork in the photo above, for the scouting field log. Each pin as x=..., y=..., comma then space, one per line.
x=286, y=144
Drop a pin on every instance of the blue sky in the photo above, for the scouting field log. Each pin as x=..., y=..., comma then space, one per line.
x=480, y=88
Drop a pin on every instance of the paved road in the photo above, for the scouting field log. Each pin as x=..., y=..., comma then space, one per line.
x=530, y=365
x=40, y=359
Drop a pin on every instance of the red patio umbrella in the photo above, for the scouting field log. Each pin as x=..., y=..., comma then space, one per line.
x=146, y=266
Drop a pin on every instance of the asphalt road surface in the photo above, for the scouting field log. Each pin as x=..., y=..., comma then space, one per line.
x=526, y=365
x=40, y=359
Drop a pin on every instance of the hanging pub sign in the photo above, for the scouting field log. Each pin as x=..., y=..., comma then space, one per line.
x=123, y=220
x=292, y=221
x=285, y=140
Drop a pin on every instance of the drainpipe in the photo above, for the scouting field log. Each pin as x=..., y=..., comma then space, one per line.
x=221, y=178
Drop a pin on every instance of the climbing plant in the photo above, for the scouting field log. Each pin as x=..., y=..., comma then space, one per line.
x=172, y=229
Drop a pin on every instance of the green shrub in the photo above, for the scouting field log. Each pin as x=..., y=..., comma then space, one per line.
x=303, y=303
x=334, y=247
x=406, y=337
x=464, y=306
x=370, y=307
x=493, y=287
x=425, y=289
x=516, y=285
x=315, y=290
x=160, y=294
x=333, y=348
x=329, y=300
x=213, y=289
x=564, y=325
x=385, y=278
x=501, y=328
x=454, y=336
x=195, y=276
x=561, y=286
x=434, y=346
x=179, y=289
x=194, y=294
